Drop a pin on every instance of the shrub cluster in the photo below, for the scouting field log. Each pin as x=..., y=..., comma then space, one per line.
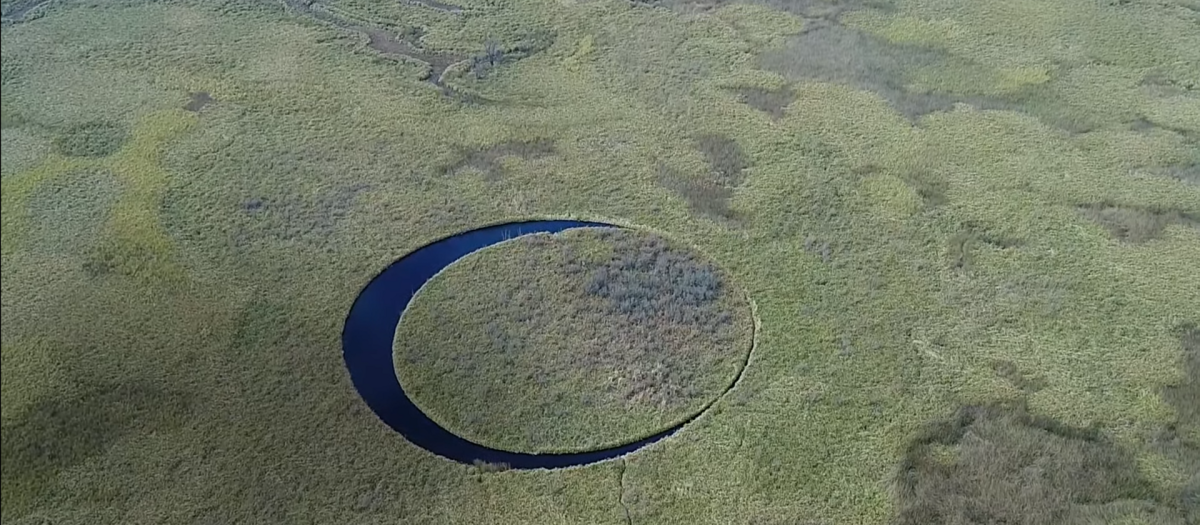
x=648, y=280
x=492, y=56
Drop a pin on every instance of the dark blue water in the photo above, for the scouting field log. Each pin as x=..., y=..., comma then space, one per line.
x=367, y=348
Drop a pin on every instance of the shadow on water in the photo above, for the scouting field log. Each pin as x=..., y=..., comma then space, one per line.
x=367, y=342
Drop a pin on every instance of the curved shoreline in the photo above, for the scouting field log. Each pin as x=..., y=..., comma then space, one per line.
x=368, y=337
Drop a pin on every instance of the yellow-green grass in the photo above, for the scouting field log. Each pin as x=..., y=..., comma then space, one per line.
x=897, y=261
x=571, y=342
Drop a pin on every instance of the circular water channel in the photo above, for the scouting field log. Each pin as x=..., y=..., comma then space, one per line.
x=368, y=338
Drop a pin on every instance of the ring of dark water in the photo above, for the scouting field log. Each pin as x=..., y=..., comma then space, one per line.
x=368, y=337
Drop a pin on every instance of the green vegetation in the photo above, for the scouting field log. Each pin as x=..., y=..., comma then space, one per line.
x=770, y=101
x=63, y=432
x=939, y=204
x=91, y=139
x=488, y=160
x=1179, y=440
x=997, y=465
x=9, y=118
x=572, y=342
x=198, y=100
x=708, y=191
x=1137, y=224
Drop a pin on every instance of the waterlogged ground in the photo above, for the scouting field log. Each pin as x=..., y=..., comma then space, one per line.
x=955, y=220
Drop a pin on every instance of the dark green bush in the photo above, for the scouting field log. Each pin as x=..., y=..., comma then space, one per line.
x=492, y=56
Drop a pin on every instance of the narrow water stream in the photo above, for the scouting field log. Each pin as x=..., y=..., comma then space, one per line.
x=368, y=336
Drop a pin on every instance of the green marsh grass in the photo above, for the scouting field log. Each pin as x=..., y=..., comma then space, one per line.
x=572, y=342
x=845, y=215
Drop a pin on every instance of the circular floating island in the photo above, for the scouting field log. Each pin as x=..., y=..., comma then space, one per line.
x=585, y=339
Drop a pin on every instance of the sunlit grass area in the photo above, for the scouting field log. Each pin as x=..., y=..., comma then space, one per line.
x=573, y=342
x=981, y=213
